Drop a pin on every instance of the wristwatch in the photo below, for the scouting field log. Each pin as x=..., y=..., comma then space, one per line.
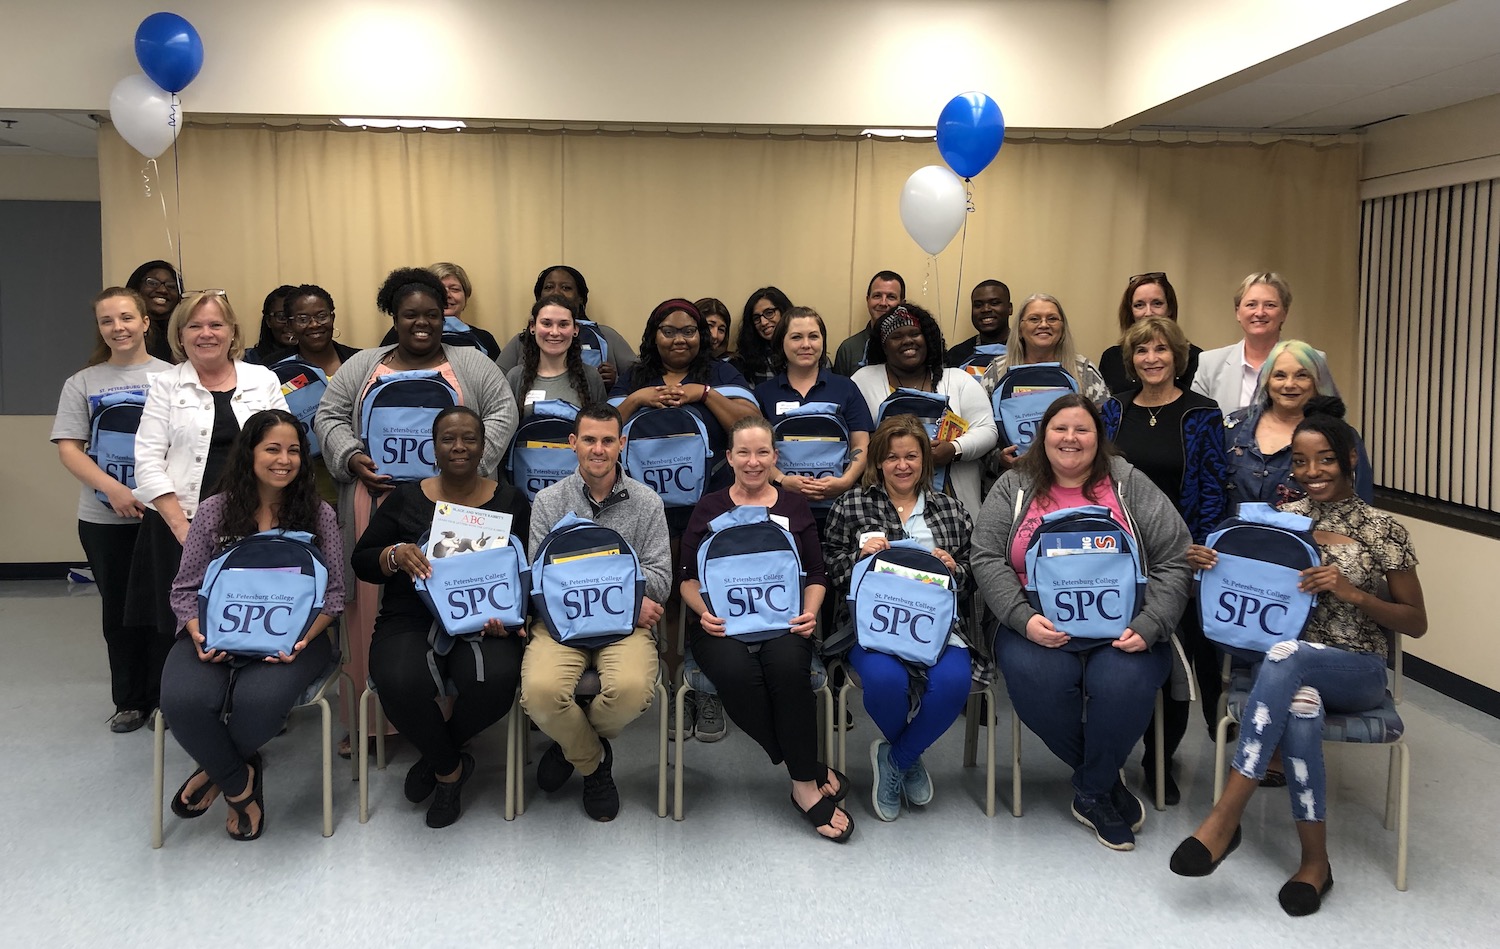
x=958, y=451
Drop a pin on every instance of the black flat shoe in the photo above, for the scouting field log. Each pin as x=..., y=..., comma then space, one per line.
x=1303, y=899
x=1192, y=859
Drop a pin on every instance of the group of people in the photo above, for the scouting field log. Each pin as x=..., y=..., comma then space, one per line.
x=1167, y=438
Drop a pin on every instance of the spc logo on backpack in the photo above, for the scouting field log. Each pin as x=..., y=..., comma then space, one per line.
x=260, y=596
x=112, y=427
x=904, y=602
x=1023, y=397
x=750, y=574
x=1084, y=573
x=302, y=385
x=1250, y=600
x=396, y=419
x=812, y=441
x=586, y=584
x=539, y=454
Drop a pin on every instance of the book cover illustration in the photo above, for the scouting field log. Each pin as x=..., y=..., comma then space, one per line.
x=460, y=530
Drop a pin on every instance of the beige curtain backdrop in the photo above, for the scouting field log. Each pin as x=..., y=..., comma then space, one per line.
x=650, y=217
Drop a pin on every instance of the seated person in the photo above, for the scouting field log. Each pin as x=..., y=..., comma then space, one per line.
x=402, y=658
x=600, y=491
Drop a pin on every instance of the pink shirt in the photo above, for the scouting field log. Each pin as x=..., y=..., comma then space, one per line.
x=1059, y=498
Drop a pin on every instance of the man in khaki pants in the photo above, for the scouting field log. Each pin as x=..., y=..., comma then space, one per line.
x=600, y=491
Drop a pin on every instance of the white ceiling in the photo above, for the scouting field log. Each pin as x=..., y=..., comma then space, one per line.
x=1440, y=58
x=69, y=134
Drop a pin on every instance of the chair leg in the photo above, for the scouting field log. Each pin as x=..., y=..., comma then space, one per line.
x=327, y=713
x=991, y=721
x=380, y=728
x=346, y=693
x=1388, y=819
x=662, y=699
x=682, y=691
x=971, y=728
x=839, y=728
x=158, y=775
x=523, y=758
x=1161, y=755
x=513, y=716
x=361, y=750
x=1403, y=818
x=1015, y=764
x=827, y=732
x=1221, y=750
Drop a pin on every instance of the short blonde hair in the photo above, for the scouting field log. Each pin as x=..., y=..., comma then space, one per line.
x=445, y=269
x=1271, y=279
x=1144, y=331
x=189, y=304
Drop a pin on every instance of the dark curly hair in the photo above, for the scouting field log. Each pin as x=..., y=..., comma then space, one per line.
x=267, y=343
x=298, y=508
x=578, y=281
x=1324, y=415
x=531, y=350
x=650, y=365
x=875, y=349
x=401, y=283
x=1037, y=467
x=757, y=356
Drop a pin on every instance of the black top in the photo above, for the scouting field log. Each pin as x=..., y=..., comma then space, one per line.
x=1112, y=368
x=404, y=517
x=273, y=358
x=226, y=426
x=960, y=353
x=1157, y=450
x=793, y=507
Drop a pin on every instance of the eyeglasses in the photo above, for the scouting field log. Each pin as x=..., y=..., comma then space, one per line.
x=321, y=318
x=1153, y=275
x=678, y=332
x=1042, y=320
x=768, y=315
x=151, y=283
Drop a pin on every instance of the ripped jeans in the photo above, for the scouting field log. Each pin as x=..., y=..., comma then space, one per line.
x=1293, y=686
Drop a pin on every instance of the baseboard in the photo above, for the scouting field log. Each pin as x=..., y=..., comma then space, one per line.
x=33, y=571
x=1453, y=685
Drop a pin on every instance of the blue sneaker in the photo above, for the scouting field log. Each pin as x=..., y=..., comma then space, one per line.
x=1131, y=810
x=916, y=784
x=885, y=795
x=1099, y=814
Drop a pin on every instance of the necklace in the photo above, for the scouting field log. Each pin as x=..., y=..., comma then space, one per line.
x=923, y=381
x=1152, y=412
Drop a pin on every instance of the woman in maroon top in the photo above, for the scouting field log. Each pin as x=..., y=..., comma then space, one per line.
x=765, y=687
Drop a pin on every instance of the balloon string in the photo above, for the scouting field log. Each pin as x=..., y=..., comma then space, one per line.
x=177, y=182
x=963, y=243
x=161, y=195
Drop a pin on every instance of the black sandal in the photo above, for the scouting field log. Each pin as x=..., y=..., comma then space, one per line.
x=821, y=815
x=843, y=784
x=189, y=808
x=241, y=808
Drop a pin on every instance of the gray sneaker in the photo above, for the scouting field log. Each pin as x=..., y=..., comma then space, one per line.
x=711, y=725
x=885, y=795
x=689, y=716
x=916, y=784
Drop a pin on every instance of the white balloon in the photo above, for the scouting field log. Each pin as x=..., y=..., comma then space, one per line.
x=143, y=115
x=933, y=205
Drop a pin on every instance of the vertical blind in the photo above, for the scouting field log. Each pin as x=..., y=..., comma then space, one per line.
x=1430, y=331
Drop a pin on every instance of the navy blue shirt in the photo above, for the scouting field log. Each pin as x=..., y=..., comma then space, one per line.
x=830, y=387
x=720, y=374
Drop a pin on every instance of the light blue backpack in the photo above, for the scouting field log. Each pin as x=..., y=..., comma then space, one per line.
x=261, y=595
x=309, y=383
x=812, y=441
x=594, y=346
x=750, y=574
x=1018, y=414
x=1084, y=573
x=667, y=450
x=539, y=453
x=586, y=584
x=928, y=407
x=112, y=426
x=984, y=354
x=1249, y=601
x=396, y=419
x=468, y=590
x=901, y=615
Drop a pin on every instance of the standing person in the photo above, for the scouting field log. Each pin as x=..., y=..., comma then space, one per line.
x=1338, y=664
x=158, y=284
x=1176, y=438
x=768, y=691
x=887, y=290
x=989, y=311
x=755, y=356
x=458, y=291
x=552, y=364
x=192, y=414
x=600, y=491
x=404, y=666
x=896, y=502
x=1146, y=295
x=907, y=353
x=267, y=486
x=275, y=328
x=1045, y=672
x=1230, y=374
x=414, y=300
x=564, y=281
x=109, y=515
x=719, y=322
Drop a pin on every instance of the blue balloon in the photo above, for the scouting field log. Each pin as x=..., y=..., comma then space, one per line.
x=169, y=50
x=970, y=131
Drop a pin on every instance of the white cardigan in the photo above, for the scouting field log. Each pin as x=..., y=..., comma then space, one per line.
x=171, y=446
x=967, y=399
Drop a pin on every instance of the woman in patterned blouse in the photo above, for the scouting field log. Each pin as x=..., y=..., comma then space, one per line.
x=1338, y=664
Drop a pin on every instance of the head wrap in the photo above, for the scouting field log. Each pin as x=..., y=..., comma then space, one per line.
x=898, y=318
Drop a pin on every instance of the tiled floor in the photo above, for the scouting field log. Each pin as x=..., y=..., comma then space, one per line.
x=76, y=867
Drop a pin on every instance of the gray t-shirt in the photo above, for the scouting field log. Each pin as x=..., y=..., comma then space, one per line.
x=554, y=387
x=75, y=407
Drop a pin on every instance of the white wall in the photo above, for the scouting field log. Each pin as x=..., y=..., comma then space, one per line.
x=1463, y=633
x=1433, y=149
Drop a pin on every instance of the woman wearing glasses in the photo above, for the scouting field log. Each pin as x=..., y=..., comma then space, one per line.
x=1146, y=295
x=157, y=283
x=755, y=356
x=275, y=328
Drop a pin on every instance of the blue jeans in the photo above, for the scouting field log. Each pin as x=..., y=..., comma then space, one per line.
x=886, y=679
x=1089, y=708
x=1293, y=686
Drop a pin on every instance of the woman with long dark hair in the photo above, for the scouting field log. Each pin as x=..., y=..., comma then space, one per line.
x=275, y=327
x=755, y=355
x=267, y=485
x=564, y=281
x=1146, y=295
x=552, y=365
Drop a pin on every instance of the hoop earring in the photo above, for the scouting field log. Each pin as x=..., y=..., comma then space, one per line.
x=335, y=332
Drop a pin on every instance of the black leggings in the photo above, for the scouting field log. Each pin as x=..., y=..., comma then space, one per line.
x=768, y=693
x=398, y=666
x=136, y=653
x=193, y=694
